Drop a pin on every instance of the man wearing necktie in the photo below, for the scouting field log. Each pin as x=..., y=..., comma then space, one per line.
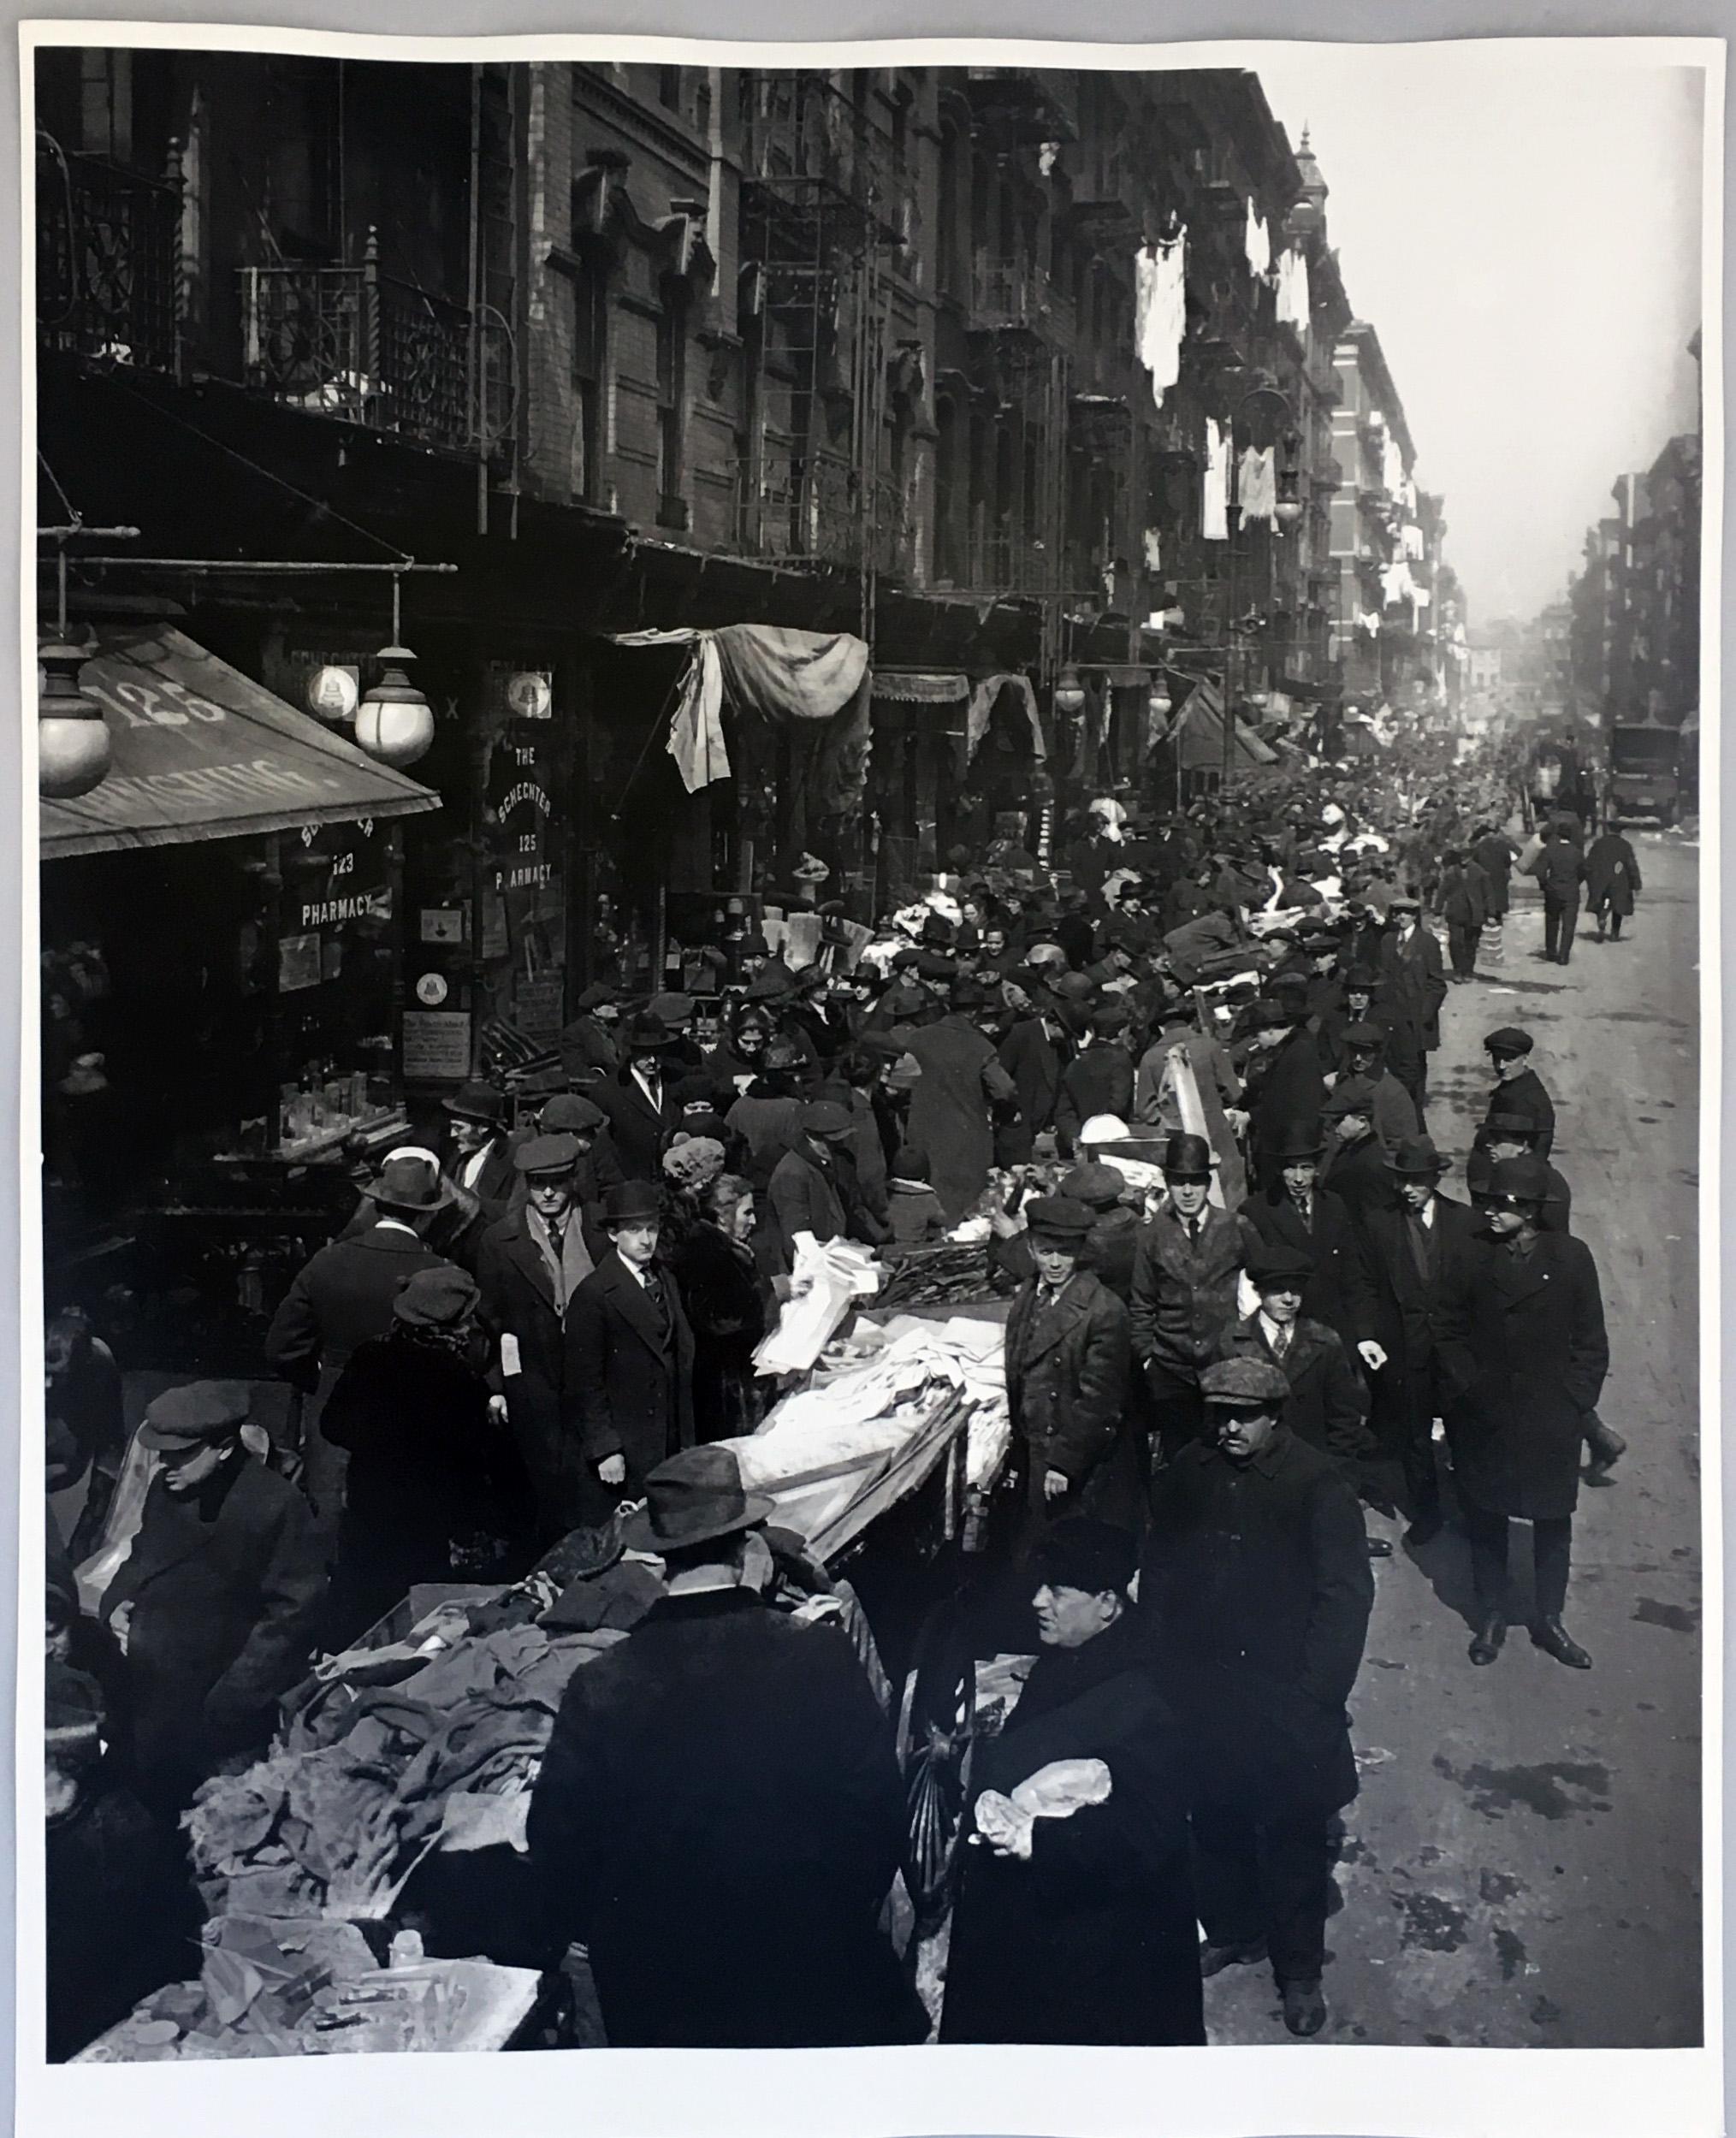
x=529, y=1267
x=1185, y=1271
x=629, y=1355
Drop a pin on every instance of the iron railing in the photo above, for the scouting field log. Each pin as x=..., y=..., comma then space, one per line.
x=367, y=348
x=108, y=243
x=1011, y=293
x=1008, y=563
x=818, y=509
x=800, y=129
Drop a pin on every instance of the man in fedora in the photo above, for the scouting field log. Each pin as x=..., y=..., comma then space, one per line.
x=531, y=1264
x=1518, y=1087
x=1523, y=1354
x=1257, y=1589
x=642, y=1099
x=628, y=1369
x=479, y=1152
x=1295, y=1211
x=343, y=1296
x=719, y=1815
x=214, y=1606
x=1285, y=1081
x=1069, y=1362
x=1184, y=1285
x=1416, y=1240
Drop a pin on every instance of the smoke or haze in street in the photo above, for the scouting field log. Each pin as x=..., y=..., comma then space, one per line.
x=1525, y=234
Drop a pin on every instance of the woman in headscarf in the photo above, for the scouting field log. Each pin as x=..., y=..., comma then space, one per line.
x=724, y=1297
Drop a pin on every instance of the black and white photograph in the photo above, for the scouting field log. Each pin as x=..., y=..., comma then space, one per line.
x=868, y=940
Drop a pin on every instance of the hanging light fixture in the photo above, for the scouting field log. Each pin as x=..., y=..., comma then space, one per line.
x=1259, y=699
x=1070, y=692
x=73, y=748
x=1159, y=702
x=394, y=722
x=1288, y=508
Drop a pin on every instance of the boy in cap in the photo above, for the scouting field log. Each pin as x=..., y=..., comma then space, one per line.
x=1327, y=1405
x=1257, y=1588
x=214, y=1606
x=1518, y=1088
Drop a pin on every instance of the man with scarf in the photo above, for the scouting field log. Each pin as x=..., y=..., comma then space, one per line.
x=1076, y=1923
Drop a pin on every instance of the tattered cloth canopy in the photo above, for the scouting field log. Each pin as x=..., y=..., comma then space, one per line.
x=781, y=675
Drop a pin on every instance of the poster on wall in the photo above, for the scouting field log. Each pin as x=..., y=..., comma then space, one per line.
x=437, y=1046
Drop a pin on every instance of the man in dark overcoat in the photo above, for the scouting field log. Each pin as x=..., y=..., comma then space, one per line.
x=1523, y=1354
x=1413, y=984
x=952, y=1109
x=1559, y=870
x=1414, y=1241
x=1296, y=1212
x=215, y=1604
x=530, y=1265
x=1290, y=1086
x=1256, y=1587
x=342, y=1297
x=1612, y=879
x=1519, y=1089
x=719, y=1816
x=1079, y=1928
x=628, y=1390
x=1033, y=1054
x=1184, y=1285
x=643, y=1099
x=1099, y=1079
x=1068, y=1361
x=810, y=1187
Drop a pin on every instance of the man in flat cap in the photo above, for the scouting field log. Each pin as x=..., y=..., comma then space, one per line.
x=531, y=1265
x=588, y=1044
x=1257, y=1588
x=215, y=1604
x=811, y=1185
x=1327, y=1404
x=1523, y=1353
x=1394, y=1109
x=1518, y=1087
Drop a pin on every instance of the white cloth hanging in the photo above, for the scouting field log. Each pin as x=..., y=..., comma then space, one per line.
x=1295, y=306
x=1258, y=243
x=695, y=735
x=1154, y=550
x=1214, y=502
x=1257, y=484
x=1392, y=467
x=1160, y=309
x=1413, y=539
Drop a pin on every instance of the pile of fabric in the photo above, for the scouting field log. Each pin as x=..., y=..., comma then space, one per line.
x=431, y=1742
x=884, y=1407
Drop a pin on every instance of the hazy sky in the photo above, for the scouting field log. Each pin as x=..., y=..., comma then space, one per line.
x=1524, y=233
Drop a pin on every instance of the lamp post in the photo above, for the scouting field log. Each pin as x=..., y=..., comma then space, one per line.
x=1287, y=512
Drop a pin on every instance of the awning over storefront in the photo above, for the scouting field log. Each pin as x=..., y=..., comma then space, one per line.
x=202, y=752
x=983, y=700
x=920, y=686
x=1199, y=728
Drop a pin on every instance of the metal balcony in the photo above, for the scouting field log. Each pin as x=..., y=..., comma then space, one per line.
x=817, y=509
x=1008, y=563
x=812, y=161
x=107, y=260
x=365, y=348
x=1011, y=296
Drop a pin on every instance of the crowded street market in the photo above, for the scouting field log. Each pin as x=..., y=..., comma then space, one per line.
x=936, y=1293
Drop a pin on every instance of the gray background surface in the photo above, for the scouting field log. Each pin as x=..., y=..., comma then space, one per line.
x=1105, y=20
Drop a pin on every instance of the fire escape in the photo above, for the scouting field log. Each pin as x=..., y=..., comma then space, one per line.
x=820, y=208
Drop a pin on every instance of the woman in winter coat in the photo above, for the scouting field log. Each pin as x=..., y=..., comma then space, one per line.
x=720, y=1287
